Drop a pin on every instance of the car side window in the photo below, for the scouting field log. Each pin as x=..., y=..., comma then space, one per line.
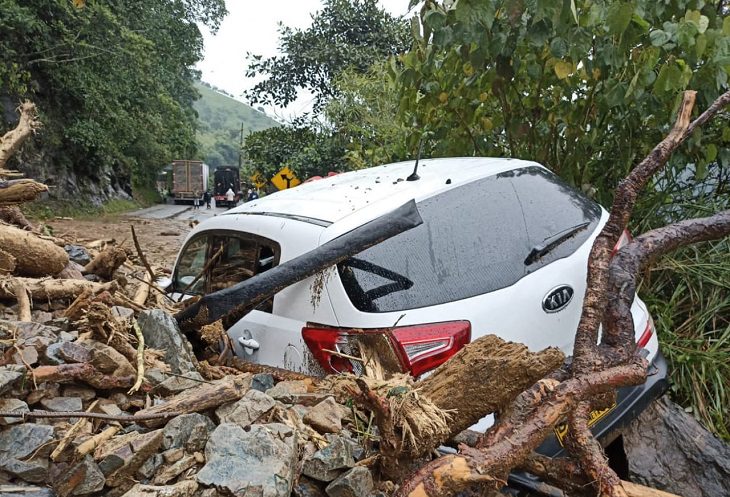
x=189, y=278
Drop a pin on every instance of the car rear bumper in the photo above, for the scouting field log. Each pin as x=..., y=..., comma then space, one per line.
x=630, y=402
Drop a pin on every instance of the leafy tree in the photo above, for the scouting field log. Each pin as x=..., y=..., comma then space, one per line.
x=344, y=34
x=113, y=80
x=583, y=86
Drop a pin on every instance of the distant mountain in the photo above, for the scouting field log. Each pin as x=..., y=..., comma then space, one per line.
x=219, y=124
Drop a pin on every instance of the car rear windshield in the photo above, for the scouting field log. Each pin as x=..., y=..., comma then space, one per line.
x=474, y=239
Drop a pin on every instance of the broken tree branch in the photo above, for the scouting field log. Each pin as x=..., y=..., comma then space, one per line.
x=17, y=191
x=141, y=255
x=21, y=295
x=13, y=139
x=140, y=358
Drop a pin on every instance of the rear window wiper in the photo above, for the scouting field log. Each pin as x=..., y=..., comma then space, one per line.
x=551, y=242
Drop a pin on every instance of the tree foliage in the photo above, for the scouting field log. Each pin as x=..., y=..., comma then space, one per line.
x=583, y=86
x=113, y=80
x=344, y=34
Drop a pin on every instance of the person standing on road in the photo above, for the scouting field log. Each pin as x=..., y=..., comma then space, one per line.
x=196, y=200
x=206, y=199
x=252, y=195
x=230, y=196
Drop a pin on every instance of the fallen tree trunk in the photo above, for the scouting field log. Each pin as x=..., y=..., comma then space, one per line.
x=108, y=261
x=34, y=256
x=21, y=295
x=7, y=263
x=13, y=215
x=50, y=289
x=11, y=141
x=17, y=191
x=234, y=302
x=201, y=398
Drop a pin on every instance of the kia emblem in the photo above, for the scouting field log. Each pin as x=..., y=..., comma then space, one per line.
x=557, y=299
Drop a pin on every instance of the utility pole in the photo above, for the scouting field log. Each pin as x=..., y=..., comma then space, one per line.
x=240, y=150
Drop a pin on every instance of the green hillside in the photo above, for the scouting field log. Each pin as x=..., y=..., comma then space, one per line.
x=219, y=125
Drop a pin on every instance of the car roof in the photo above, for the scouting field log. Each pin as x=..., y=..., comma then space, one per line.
x=331, y=199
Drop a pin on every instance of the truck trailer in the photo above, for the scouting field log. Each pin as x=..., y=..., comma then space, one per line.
x=226, y=177
x=189, y=180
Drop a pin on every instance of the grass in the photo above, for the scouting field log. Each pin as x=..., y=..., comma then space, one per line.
x=688, y=294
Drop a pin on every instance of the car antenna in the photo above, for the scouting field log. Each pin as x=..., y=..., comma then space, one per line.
x=414, y=175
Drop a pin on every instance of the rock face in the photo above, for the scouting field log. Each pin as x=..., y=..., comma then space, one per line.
x=668, y=449
x=257, y=463
x=161, y=331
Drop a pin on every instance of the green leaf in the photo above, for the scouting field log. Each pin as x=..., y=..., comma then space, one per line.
x=726, y=134
x=726, y=26
x=563, y=69
x=659, y=37
x=703, y=24
x=558, y=48
x=619, y=17
x=700, y=46
x=434, y=19
x=574, y=11
x=413, y=3
x=711, y=152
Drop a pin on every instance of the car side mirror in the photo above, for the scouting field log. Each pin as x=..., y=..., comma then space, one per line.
x=163, y=282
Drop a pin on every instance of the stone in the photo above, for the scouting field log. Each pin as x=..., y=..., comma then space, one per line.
x=51, y=356
x=173, y=455
x=77, y=254
x=27, y=355
x=262, y=382
x=184, y=488
x=150, y=467
x=25, y=491
x=120, y=457
x=82, y=479
x=303, y=399
x=357, y=482
x=173, y=471
x=245, y=411
x=267, y=452
x=161, y=332
x=155, y=376
x=8, y=378
x=74, y=352
x=328, y=463
x=37, y=335
x=122, y=313
x=41, y=316
x=62, y=404
x=33, y=471
x=325, y=417
x=175, y=384
x=286, y=388
x=12, y=405
x=82, y=392
x=20, y=441
x=107, y=360
x=110, y=408
x=307, y=488
x=189, y=431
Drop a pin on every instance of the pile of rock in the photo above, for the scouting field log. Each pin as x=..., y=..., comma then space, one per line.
x=182, y=434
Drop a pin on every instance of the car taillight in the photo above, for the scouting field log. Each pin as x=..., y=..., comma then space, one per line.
x=646, y=335
x=623, y=240
x=414, y=349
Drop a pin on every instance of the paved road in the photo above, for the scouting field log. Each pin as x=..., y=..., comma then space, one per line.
x=184, y=212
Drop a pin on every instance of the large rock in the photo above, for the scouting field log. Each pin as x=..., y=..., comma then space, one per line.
x=284, y=390
x=188, y=431
x=325, y=417
x=77, y=254
x=82, y=479
x=121, y=457
x=8, y=377
x=183, y=489
x=12, y=405
x=251, y=407
x=161, y=331
x=107, y=360
x=20, y=441
x=668, y=449
x=33, y=470
x=358, y=482
x=63, y=404
x=256, y=463
x=328, y=463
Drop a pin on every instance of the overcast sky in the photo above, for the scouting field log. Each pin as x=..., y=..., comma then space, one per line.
x=251, y=26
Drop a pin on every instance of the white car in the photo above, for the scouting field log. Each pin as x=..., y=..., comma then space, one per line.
x=502, y=250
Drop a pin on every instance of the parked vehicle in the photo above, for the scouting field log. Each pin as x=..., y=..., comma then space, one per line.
x=189, y=180
x=224, y=178
x=503, y=250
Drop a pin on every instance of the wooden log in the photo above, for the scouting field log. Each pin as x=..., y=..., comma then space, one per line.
x=21, y=295
x=201, y=398
x=50, y=289
x=106, y=262
x=34, y=256
x=13, y=215
x=143, y=290
x=17, y=191
x=7, y=263
x=13, y=139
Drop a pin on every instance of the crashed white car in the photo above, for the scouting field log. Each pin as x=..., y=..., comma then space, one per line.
x=502, y=250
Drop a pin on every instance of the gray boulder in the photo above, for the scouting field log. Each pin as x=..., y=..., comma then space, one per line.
x=63, y=404
x=82, y=479
x=248, y=409
x=358, y=482
x=77, y=254
x=12, y=405
x=8, y=377
x=189, y=431
x=161, y=331
x=328, y=463
x=20, y=441
x=260, y=462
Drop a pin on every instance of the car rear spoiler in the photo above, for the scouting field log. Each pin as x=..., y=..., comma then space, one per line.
x=234, y=302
